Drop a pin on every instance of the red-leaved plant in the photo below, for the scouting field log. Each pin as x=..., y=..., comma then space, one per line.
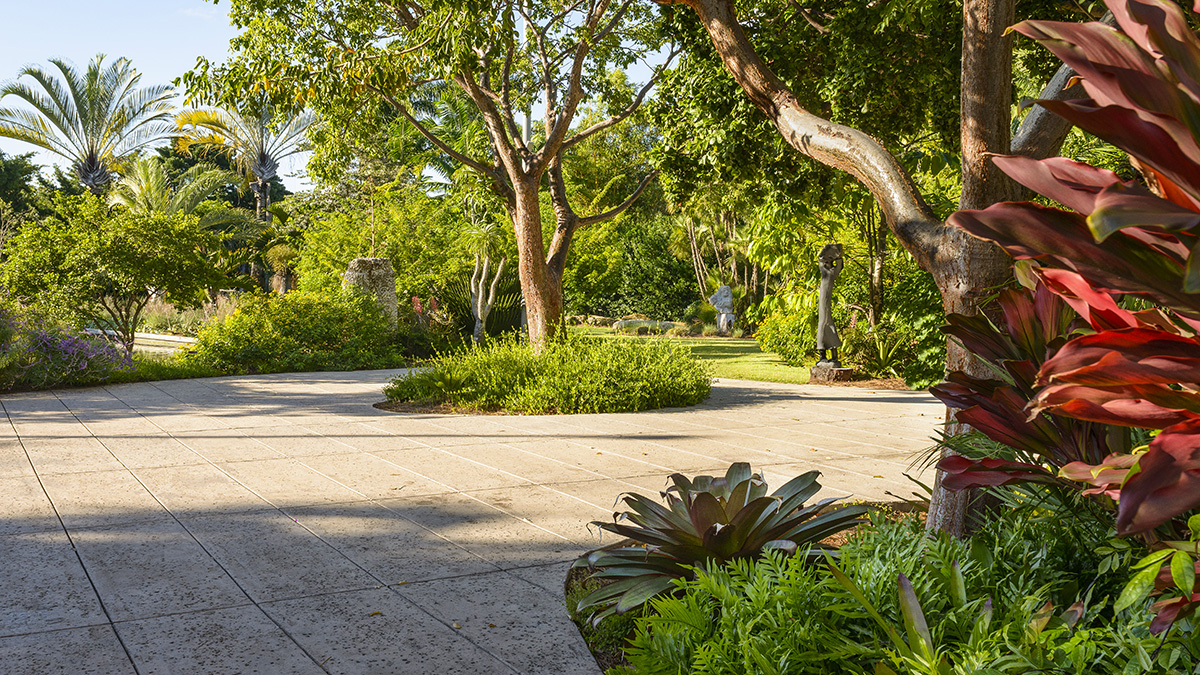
x=1120, y=238
x=1138, y=369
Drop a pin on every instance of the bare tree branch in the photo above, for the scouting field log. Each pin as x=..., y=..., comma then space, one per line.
x=433, y=138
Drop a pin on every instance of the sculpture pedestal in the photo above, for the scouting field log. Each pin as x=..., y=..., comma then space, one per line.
x=823, y=373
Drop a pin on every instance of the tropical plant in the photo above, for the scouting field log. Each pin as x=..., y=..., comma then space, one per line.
x=146, y=187
x=95, y=120
x=102, y=265
x=257, y=139
x=1037, y=323
x=708, y=520
x=1020, y=596
x=1137, y=369
x=482, y=238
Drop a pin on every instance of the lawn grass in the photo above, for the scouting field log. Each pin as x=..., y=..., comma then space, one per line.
x=151, y=367
x=734, y=358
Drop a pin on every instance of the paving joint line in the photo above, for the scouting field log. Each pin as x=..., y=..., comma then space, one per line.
x=71, y=540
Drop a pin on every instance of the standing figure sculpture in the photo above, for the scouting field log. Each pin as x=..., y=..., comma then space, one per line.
x=829, y=262
x=722, y=300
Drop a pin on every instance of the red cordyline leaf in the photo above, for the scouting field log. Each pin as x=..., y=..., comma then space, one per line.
x=1124, y=357
x=1161, y=29
x=1123, y=263
x=1107, y=474
x=997, y=411
x=1143, y=406
x=1161, y=142
x=1120, y=206
x=1169, y=190
x=1113, y=69
x=1167, y=612
x=1098, y=308
x=961, y=473
x=1070, y=183
x=1167, y=482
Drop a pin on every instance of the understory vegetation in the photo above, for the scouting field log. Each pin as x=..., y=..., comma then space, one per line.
x=1023, y=595
x=572, y=375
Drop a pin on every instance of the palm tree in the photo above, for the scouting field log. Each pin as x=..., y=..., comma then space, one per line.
x=96, y=119
x=146, y=188
x=255, y=141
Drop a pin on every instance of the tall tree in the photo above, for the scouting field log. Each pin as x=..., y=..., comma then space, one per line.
x=95, y=119
x=340, y=60
x=962, y=267
x=257, y=139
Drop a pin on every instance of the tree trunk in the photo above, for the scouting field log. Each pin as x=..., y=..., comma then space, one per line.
x=963, y=267
x=542, y=292
x=834, y=145
x=985, y=130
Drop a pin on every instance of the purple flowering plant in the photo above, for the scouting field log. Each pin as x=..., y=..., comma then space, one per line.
x=37, y=353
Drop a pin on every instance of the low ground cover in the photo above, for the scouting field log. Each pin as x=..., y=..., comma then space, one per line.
x=1039, y=587
x=574, y=375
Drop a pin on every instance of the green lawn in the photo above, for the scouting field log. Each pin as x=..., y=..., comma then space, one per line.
x=736, y=358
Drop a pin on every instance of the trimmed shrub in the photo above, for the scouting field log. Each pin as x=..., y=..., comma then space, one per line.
x=300, y=331
x=575, y=375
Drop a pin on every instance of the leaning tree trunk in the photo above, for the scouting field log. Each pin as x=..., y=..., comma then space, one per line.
x=963, y=267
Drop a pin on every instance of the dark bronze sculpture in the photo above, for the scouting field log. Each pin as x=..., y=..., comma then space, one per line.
x=829, y=262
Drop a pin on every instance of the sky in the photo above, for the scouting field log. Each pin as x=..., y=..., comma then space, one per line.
x=162, y=38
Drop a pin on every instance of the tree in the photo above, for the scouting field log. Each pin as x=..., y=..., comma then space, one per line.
x=236, y=194
x=256, y=139
x=962, y=267
x=482, y=239
x=102, y=265
x=95, y=120
x=16, y=180
x=146, y=187
x=341, y=60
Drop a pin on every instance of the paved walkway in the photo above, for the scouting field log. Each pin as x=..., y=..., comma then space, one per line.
x=280, y=524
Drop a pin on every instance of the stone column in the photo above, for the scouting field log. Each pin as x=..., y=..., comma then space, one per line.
x=375, y=277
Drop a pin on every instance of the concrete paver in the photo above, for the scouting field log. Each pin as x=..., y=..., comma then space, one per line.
x=280, y=524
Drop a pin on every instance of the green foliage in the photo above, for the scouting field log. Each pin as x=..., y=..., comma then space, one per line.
x=916, y=304
x=300, y=331
x=626, y=266
x=37, y=352
x=100, y=265
x=573, y=375
x=1001, y=602
x=791, y=335
x=707, y=520
x=16, y=180
x=605, y=635
x=416, y=232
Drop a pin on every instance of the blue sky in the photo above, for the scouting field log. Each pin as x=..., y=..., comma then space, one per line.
x=161, y=37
